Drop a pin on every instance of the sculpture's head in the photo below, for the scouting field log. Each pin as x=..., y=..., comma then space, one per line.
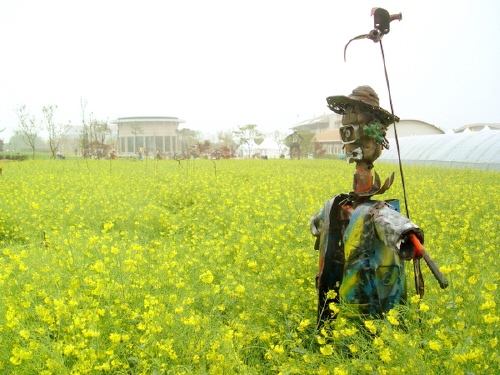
x=364, y=124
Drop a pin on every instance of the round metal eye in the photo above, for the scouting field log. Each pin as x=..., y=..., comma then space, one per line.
x=347, y=133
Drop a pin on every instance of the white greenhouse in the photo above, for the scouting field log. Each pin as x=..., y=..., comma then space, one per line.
x=474, y=150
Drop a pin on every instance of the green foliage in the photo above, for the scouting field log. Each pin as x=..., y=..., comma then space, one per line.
x=173, y=267
x=17, y=157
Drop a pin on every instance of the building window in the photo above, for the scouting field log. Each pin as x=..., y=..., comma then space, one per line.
x=174, y=143
x=158, y=143
x=167, y=144
x=150, y=143
x=130, y=144
x=139, y=142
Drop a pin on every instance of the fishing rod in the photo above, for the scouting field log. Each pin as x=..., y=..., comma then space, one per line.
x=381, y=22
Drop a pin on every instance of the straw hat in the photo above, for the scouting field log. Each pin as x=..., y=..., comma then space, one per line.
x=367, y=98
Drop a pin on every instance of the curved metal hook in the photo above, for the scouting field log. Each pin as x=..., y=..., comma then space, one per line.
x=381, y=26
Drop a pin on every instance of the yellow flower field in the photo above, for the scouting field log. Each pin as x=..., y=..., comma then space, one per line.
x=202, y=267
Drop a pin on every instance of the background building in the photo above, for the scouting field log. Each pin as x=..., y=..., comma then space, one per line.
x=477, y=127
x=472, y=149
x=326, y=130
x=409, y=128
x=152, y=134
x=319, y=124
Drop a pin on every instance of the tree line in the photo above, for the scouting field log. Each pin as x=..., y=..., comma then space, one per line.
x=96, y=132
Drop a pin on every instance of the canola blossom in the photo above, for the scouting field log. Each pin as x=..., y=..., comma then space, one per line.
x=207, y=267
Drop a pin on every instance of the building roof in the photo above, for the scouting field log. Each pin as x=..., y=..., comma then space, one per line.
x=420, y=122
x=331, y=135
x=410, y=127
x=313, y=123
x=477, y=127
x=146, y=119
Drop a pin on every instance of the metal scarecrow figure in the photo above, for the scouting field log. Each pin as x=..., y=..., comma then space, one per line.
x=294, y=140
x=363, y=243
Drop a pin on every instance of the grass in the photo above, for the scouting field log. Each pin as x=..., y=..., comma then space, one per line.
x=201, y=267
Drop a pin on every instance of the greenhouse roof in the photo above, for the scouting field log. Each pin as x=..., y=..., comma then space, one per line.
x=477, y=150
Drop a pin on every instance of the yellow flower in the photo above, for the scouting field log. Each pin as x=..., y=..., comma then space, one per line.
x=494, y=342
x=435, y=345
x=326, y=349
x=445, y=269
x=458, y=358
x=340, y=371
x=207, y=277
x=24, y=334
x=436, y=320
x=370, y=325
x=240, y=289
x=331, y=294
x=385, y=355
x=265, y=336
x=303, y=325
x=490, y=286
x=279, y=349
x=472, y=280
x=392, y=317
x=334, y=307
x=377, y=341
x=415, y=299
x=487, y=305
x=490, y=318
x=115, y=337
x=68, y=349
x=424, y=307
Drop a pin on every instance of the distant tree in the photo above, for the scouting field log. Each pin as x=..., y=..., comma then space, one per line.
x=188, y=138
x=94, y=132
x=85, y=137
x=1, y=145
x=29, y=129
x=247, y=135
x=279, y=138
x=55, y=130
x=16, y=142
x=225, y=138
x=135, y=130
x=98, y=130
x=202, y=147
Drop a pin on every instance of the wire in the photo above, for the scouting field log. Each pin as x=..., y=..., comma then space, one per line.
x=395, y=132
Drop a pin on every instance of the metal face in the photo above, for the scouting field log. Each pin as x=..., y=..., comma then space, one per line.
x=350, y=133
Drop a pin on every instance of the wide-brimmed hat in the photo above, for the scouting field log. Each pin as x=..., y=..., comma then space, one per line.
x=367, y=98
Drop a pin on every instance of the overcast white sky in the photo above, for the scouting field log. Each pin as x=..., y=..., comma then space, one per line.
x=219, y=64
